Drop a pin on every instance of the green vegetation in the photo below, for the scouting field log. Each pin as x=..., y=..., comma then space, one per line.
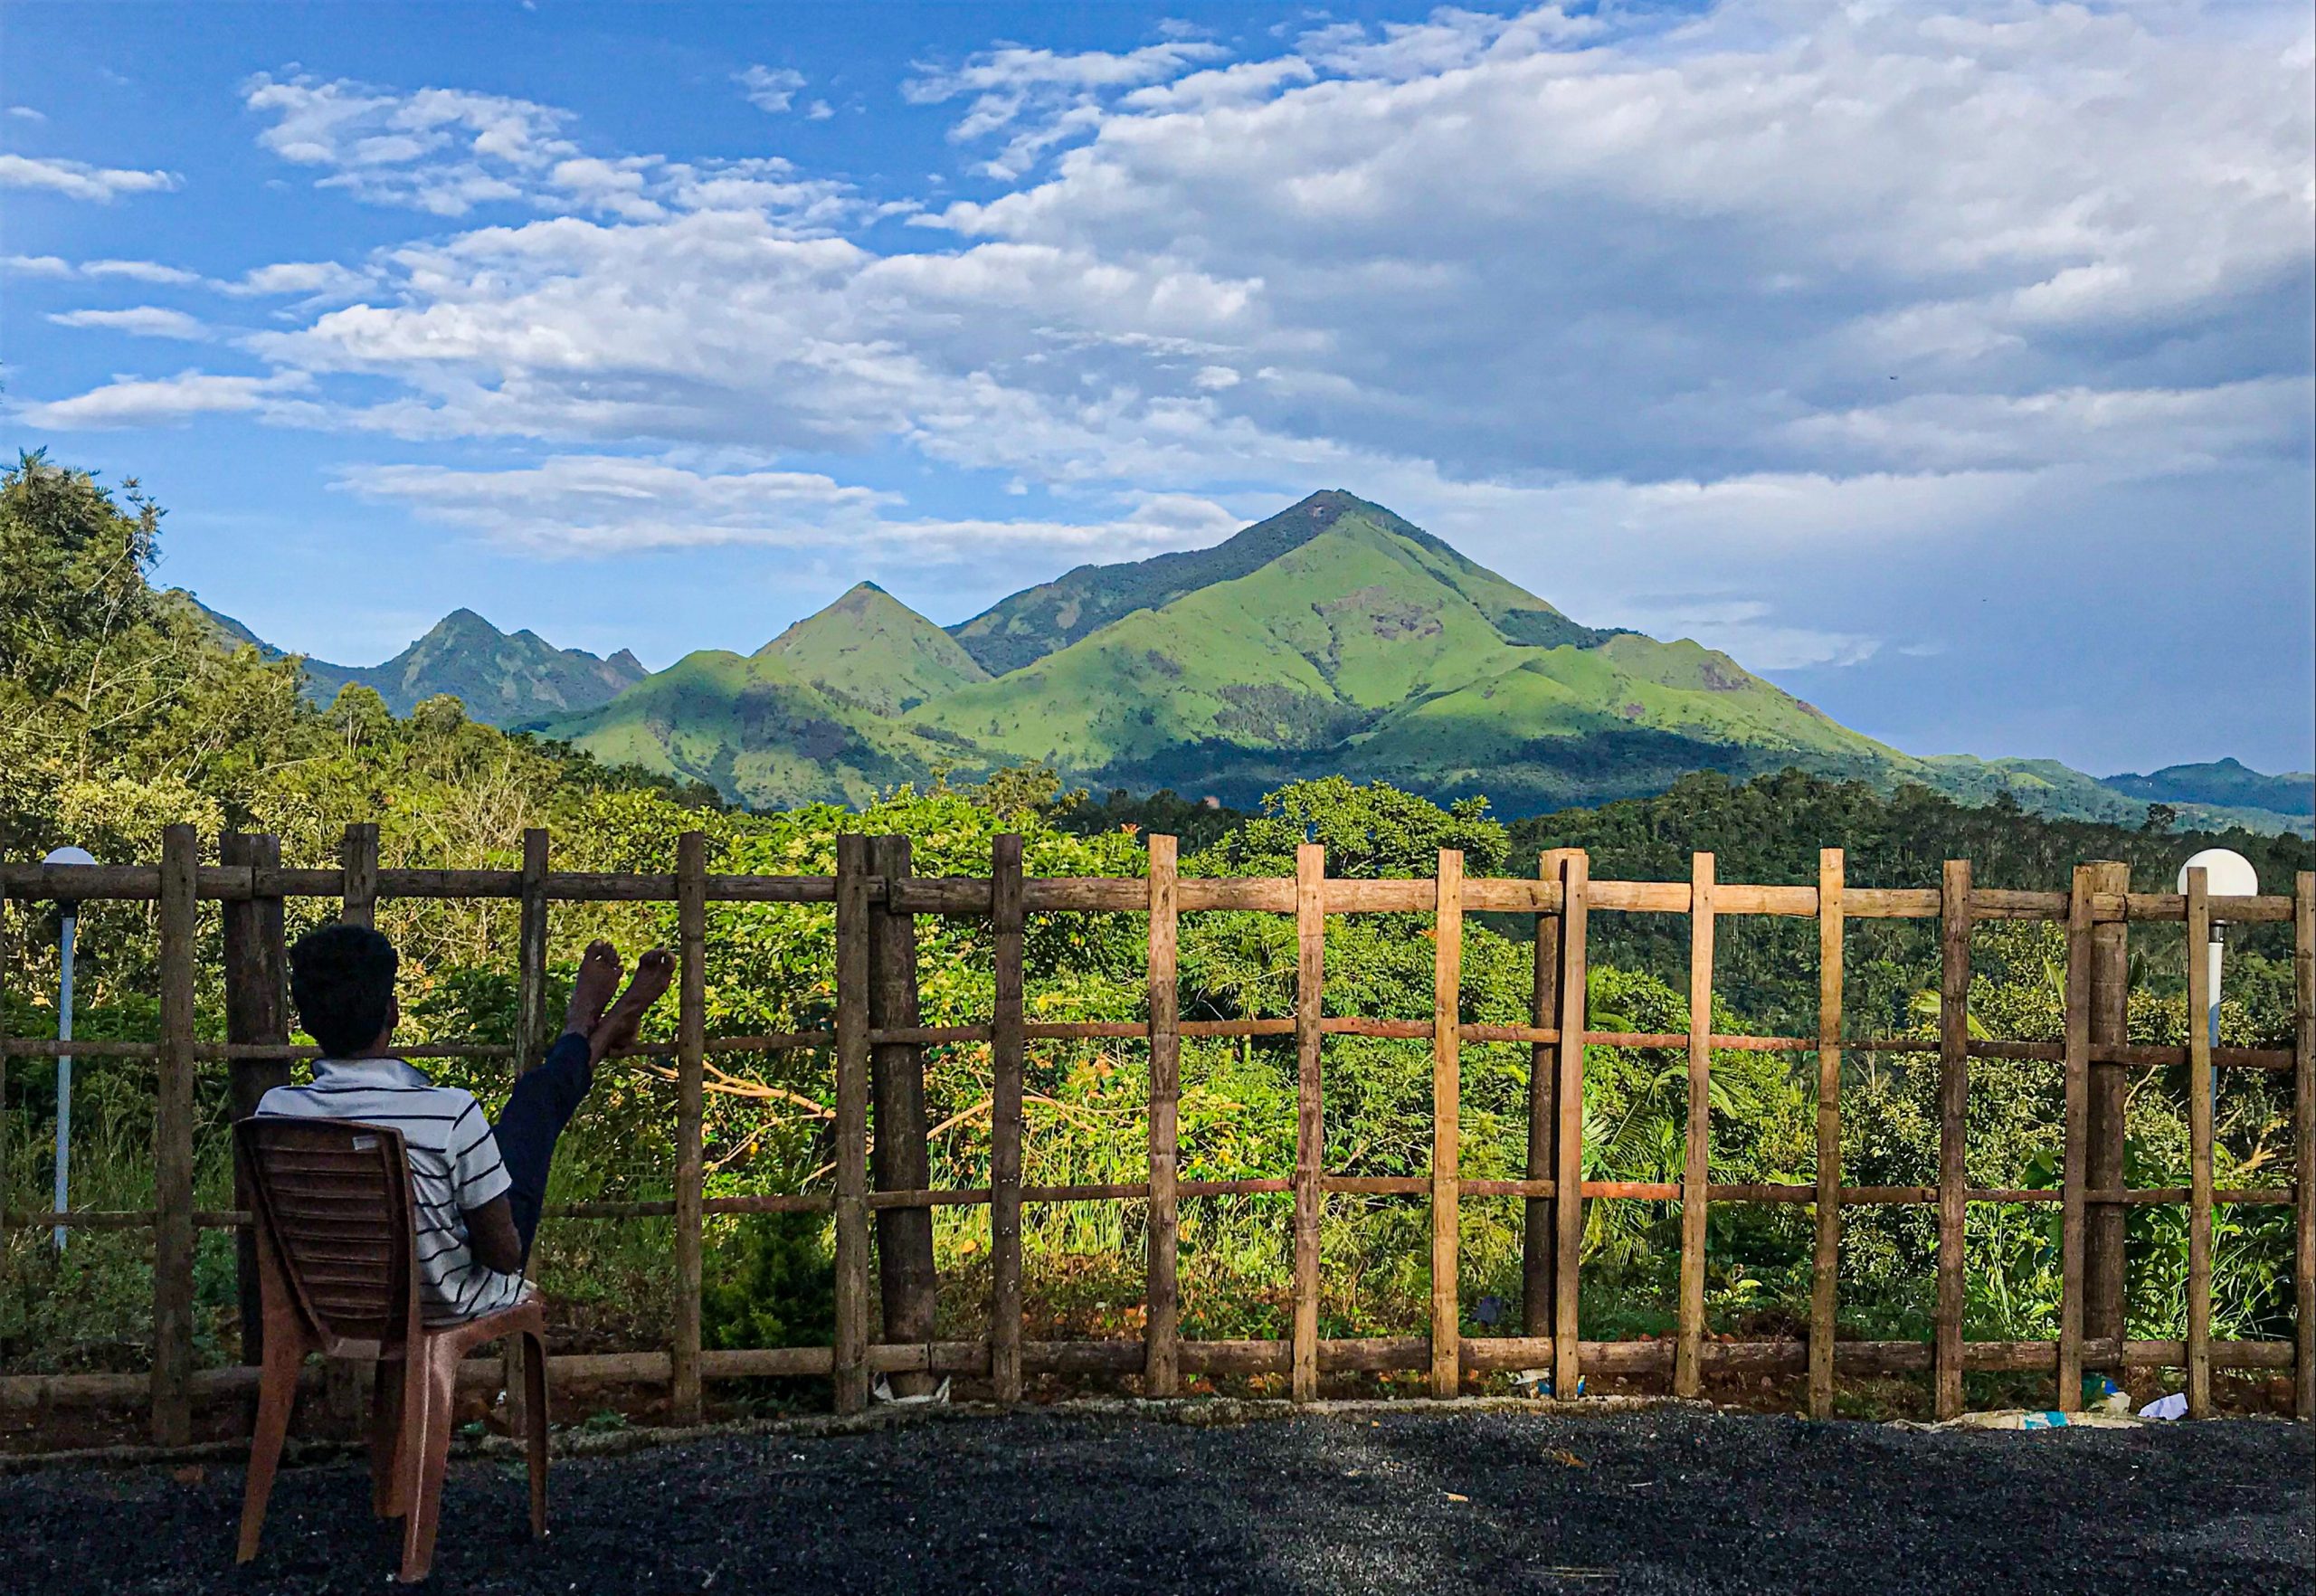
x=118, y=713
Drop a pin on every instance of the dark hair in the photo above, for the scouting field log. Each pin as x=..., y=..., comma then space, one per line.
x=342, y=977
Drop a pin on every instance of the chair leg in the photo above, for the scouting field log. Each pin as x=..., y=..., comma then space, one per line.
x=387, y=1408
x=535, y=1425
x=277, y=1392
x=430, y=1460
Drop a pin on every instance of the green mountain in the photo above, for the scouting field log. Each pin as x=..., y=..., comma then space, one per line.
x=755, y=729
x=503, y=679
x=1038, y=621
x=871, y=649
x=1334, y=636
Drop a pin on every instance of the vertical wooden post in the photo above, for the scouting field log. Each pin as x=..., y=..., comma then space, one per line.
x=1536, y=1232
x=1446, y=1093
x=257, y=1011
x=1568, y=1168
x=530, y=1049
x=172, y=1146
x=1310, y=1125
x=2079, y=955
x=2303, y=1150
x=1953, y=1103
x=902, y=1156
x=850, y=1355
x=1162, y=1356
x=2200, y=1109
x=2103, y=1284
x=691, y=1058
x=907, y=1282
x=530, y=955
x=1825, y=1262
x=1689, y=1364
x=1007, y=1056
x=345, y=1383
x=358, y=856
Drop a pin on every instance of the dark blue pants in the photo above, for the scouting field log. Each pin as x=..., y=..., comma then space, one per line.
x=541, y=1105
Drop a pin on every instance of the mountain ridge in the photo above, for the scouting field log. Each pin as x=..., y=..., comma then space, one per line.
x=1334, y=636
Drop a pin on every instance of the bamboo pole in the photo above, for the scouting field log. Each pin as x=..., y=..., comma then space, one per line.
x=692, y=1054
x=1446, y=1085
x=1568, y=1172
x=2074, y=1178
x=1162, y=1361
x=908, y=1284
x=1953, y=1101
x=1007, y=1058
x=851, y=1351
x=2199, y=1138
x=530, y=1043
x=1536, y=1232
x=1310, y=1127
x=2303, y=1155
x=256, y=1012
x=1825, y=1263
x=2103, y=1279
x=1688, y=1371
x=172, y=1146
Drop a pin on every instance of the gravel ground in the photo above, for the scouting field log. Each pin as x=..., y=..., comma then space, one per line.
x=1347, y=1501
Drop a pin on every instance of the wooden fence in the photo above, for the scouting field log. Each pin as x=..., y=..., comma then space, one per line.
x=876, y=899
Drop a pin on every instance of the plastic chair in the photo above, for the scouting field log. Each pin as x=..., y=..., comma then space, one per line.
x=335, y=1243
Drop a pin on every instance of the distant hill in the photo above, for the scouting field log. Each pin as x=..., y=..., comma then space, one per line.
x=503, y=679
x=2223, y=789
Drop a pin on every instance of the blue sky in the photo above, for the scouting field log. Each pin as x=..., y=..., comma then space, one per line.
x=1948, y=364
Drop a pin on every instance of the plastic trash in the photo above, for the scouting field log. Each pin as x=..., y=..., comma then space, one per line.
x=2174, y=1406
x=1538, y=1382
x=938, y=1394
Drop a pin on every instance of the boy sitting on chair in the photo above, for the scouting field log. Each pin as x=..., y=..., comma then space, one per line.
x=477, y=1189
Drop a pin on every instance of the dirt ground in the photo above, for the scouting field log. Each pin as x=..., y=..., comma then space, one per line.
x=1226, y=1497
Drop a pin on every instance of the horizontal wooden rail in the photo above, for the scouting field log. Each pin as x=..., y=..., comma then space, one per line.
x=569, y=1370
x=1120, y=894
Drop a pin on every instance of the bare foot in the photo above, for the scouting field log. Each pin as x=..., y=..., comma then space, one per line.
x=653, y=973
x=592, y=988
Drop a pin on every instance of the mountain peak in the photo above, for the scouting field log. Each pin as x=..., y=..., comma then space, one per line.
x=869, y=648
x=1039, y=621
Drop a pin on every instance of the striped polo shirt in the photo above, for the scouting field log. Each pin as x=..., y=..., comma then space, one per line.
x=455, y=1169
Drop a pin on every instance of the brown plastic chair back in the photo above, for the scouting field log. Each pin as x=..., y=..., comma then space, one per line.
x=332, y=1198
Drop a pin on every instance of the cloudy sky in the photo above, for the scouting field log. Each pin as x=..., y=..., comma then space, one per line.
x=1950, y=365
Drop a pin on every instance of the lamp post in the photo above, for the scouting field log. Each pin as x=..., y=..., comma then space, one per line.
x=69, y=909
x=2227, y=874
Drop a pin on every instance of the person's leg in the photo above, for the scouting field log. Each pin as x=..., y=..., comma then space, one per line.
x=544, y=1099
x=540, y=1106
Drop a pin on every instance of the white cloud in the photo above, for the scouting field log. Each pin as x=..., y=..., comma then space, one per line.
x=133, y=402
x=80, y=180
x=769, y=88
x=144, y=321
x=1051, y=96
x=306, y=278
x=27, y=114
x=141, y=272
x=571, y=505
x=37, y=265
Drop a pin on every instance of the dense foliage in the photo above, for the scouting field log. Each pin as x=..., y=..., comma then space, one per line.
x=122, y=714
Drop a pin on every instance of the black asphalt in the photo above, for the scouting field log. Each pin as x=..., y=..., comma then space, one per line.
x=1400, y=1500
